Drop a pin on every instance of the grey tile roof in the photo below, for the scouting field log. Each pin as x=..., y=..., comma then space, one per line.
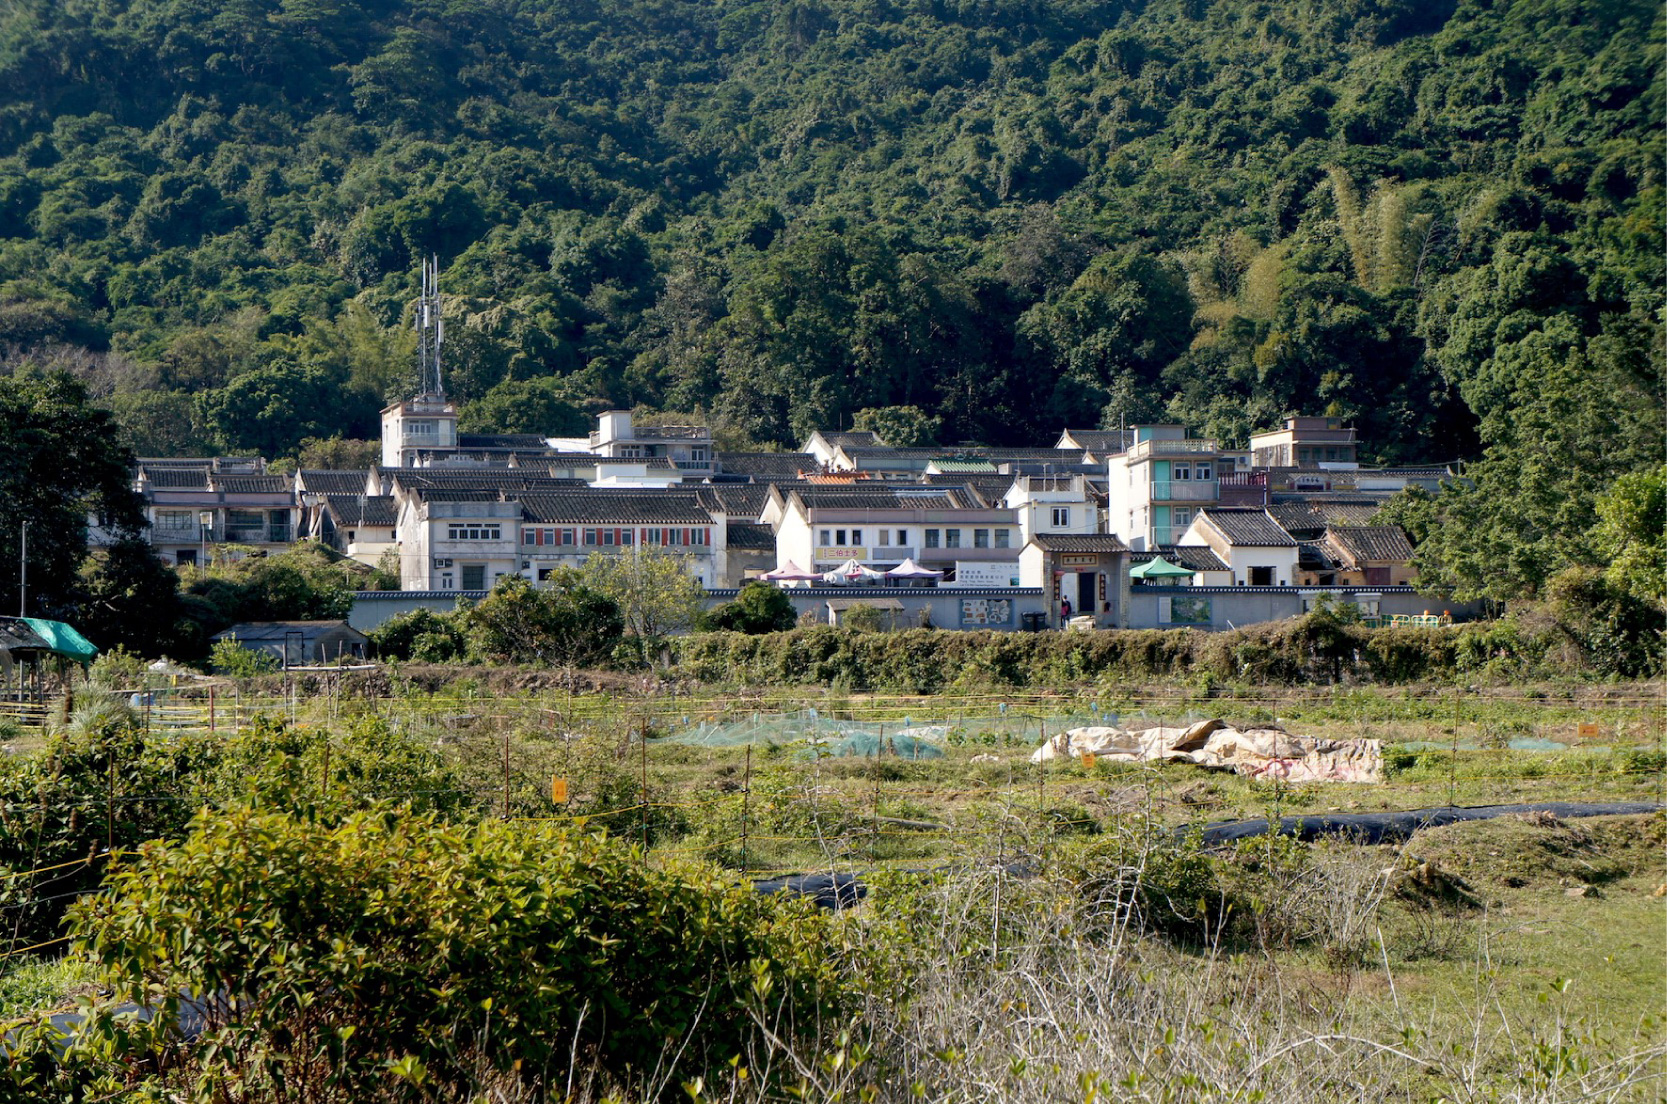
x=858, y=438
x=1302, y=520
x=768, y=463
x=1101, y=440
x=530, y=441
x=334, y=482
x=1334, y=507
x=990, y=488
x=738, y=500
x=966, y=452
x=1378, y=543
x=363, y=509
x=752, y=537
x=457, y=494
x=476, y=479
x=1050, y=483
x=1312, y=556
x=870, y=496
x=1078, y=542
x=1194, y=557
x=177, y=479
x=600, y=506
x=246, y=631
x=1248, y=527
x=254, y=484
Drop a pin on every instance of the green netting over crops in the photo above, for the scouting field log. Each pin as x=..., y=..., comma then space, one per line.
x=905, y=737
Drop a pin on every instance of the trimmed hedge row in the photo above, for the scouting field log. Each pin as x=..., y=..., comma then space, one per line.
x=1303, y=650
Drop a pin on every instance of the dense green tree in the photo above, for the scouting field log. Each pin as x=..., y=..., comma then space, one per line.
x=129, y=598
x=758, y=608
x=656, y=592
x=1632, y=534
x=61, y=463
x=525, y=406
x=269, y=410
x=564, y=622
x=1431, y=219
x=899, y=426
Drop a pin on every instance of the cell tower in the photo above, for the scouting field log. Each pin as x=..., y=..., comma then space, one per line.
x=431, y=331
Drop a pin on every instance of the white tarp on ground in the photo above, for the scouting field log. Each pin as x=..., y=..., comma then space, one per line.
x=1266, y=752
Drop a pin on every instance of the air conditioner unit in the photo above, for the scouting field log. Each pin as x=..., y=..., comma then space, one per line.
x=439, y=562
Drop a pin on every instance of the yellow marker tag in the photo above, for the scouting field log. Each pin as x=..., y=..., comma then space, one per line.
x=1087, y=760
x=1588, y=729
x=558, y=790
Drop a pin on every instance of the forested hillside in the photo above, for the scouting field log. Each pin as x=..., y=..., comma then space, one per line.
x=1441, y=221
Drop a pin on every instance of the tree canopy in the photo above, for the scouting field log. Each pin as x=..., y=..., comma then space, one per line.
x=1442, y=221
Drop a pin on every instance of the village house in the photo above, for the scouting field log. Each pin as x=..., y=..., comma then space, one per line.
x=686, y=448
x=194, y=508
x=564, y=528
x=1369, y=555
x=1158, y=486
x=879, y=525
x=1304, y=442
x=1251, y=543
x=1089, y=570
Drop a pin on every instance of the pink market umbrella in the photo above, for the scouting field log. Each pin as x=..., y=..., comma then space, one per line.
x=790, y=572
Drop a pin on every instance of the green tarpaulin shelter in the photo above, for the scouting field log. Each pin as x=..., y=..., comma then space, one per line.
x=1160, y=568
x=62, y=639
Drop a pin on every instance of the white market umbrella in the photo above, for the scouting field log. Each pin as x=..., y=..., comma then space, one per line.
x=908, y=569
x=790, y=572
x=852, y=572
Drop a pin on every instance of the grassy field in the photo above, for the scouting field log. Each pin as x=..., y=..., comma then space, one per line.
x=1037, y=933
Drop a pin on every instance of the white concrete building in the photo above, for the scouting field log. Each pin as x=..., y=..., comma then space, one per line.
x=687, y=447
x=881, y=524
x=1249, y=541
x=425, y=424
x=1156, y=488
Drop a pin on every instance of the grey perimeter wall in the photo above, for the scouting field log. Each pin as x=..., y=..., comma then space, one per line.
x=995, y=608
x=1222, y=608
x=1217, y=608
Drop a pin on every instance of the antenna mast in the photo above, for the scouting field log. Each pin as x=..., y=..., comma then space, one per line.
x=431, y=330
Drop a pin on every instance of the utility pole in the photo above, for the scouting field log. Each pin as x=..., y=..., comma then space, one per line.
x=23, y=574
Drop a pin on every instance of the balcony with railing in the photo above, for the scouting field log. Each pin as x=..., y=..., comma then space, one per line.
x=1144, y=450
x=178, y=534
x=1184, y=490
x=275, y=533
x=1244, y=489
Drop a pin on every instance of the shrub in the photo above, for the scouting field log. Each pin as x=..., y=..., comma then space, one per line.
x=422, y=634
x=565, y=622
x=231, y=658
x=759, y=608
x=95, y=785
x=389, y=948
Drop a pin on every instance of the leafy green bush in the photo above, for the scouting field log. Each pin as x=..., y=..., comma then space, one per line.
x=328, y=775
x=228, y=657
x=421, y=634
x=758, y=608
x=388, y=948
x=563, y=622
x=98, y=784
